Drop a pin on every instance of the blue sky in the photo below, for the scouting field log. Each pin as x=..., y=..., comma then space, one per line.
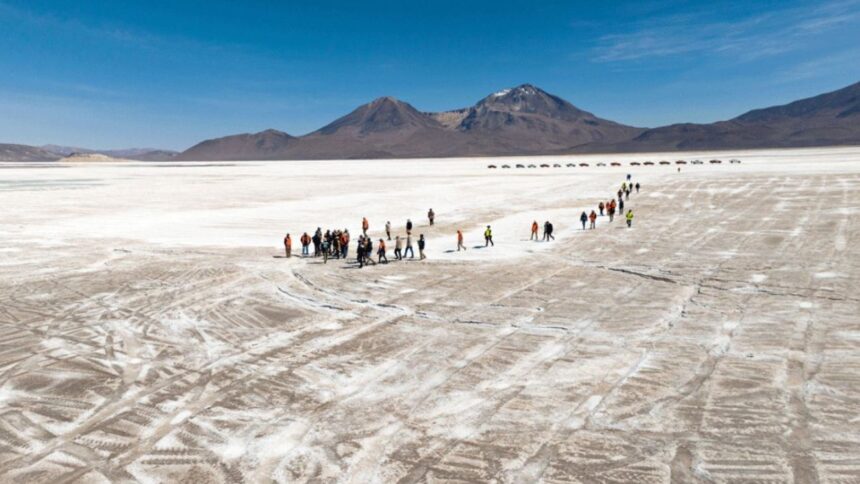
x=112, y=74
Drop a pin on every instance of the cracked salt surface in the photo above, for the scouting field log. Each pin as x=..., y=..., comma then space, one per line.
x=156, y=338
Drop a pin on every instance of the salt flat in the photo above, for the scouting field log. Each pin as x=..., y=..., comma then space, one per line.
x=149, y=334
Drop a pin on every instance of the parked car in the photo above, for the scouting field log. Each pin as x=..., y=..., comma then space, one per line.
x=635, y=163
x=571, y=165
x=506, y=166
x=556, y=165
x=532, y=166
x=715, y=162
x=520, y=166
x=583, y=164
x=544, y=165
x=601, y=164
x=648, y=163
x=615, y=163
x=680, y=162
x=734, y=161
x=491, y=166
x=664, y=162
x=696, y=162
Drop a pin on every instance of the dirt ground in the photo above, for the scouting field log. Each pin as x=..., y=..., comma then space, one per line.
x=718, y=340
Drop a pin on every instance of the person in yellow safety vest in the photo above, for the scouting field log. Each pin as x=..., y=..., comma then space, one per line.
x=629, y=218
x=488, y=237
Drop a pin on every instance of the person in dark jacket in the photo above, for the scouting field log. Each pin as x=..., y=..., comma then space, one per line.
x=584, y=219
x=637, y=186
x=368, y=251
x=408, y=226
x=431, y=216
x=421, y=245
x=547, y=231
x=317, y=239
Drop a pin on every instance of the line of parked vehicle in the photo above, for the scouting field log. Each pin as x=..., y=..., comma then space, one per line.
x=615, y=163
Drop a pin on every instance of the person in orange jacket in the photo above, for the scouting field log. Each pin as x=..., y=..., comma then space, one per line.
x=593, y=219
x=460, y=244
x=535, y=228
x=288, y=245
x=380, y=251
x=364, y=225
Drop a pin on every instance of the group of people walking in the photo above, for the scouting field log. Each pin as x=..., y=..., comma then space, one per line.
x=612, y=207
x=335, y=243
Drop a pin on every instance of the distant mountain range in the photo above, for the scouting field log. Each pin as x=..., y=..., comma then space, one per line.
x=524, y=120
x=12, y=152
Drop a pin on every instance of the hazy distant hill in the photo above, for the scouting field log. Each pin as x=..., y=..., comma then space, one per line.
x=828, y=119
x=12, y=152
x=140, y=154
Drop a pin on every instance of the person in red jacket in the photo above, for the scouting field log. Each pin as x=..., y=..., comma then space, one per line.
x=460, y=244
x=593, y=219
x=535, y=228
x=288, y=245
x=364, y=225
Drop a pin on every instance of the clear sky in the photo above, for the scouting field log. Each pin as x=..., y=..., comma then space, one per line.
x=167, y=74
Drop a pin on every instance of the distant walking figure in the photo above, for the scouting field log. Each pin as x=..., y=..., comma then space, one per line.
x=488, y=237
x=593, y=218
x=583, y=218
x=408, y=226
x=421, y=243
x=368, y=251
x=547, y=231
x=637, y=185
x=306, y=241
x=381, y=252
x=364, y=226
x=431, y=216
x=535, y=228
x=409, y=250
x=398, y=248
x=388, y=229
x=600, y=207
x=460, y=240
x=288, y=245
x=629, y=218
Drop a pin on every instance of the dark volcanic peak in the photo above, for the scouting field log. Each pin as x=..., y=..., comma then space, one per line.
x=381, y=115
x=529, y=99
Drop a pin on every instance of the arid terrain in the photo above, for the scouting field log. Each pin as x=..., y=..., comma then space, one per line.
x=149, y=332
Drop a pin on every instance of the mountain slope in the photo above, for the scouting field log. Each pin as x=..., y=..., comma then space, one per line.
x=828, y=119
x=265, y=145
